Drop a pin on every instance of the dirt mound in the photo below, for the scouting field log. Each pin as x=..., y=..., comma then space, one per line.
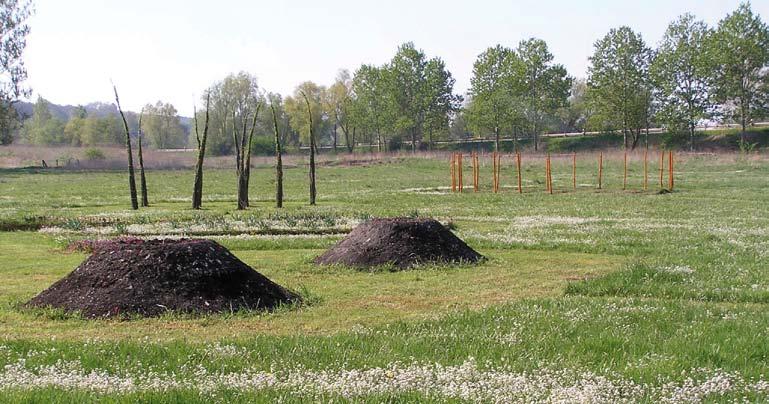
x=155, y=276
x=401, y=242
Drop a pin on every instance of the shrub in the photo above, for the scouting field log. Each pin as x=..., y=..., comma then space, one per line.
x=94, y=154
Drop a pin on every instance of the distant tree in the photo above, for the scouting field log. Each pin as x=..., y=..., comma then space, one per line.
x=297, y=111
x=75, y=128
x=338, y=102
x=131, y=178
x=406, y=79
x=43, y=128
x=370, y=103
x=163, y=127
x=682, y=74
x=618, y=83
x=197, y=187
x=573, y=117
x=541, y=86
x=13, y=73
x=418, y=93
x=740, y=47
x=442, y=103
x=492, y=106
x=234, y=110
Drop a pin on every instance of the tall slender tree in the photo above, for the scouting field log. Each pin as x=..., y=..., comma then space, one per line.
x=542, y=86
x=13, y=39
x=142, y=177
x=618, y=83
x=492, y=105
x=681, y=73
x=313, y=190
x=131, y=177
x=197, y=187
x=278, y=156
x=740, y=47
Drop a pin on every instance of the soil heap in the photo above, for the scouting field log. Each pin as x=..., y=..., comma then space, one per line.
x=401, y=242
x=152, y=277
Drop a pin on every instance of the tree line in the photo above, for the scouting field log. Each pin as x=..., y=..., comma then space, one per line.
x=695, y=74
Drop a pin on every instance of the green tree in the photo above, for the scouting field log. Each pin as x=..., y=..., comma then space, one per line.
x=492, y=107
x=740, y=47
x=338, y=102
x=682, y=72
x=541, y=86
x=75, y=128
x=369, y=108
x=296, y=109
x=418, y=92
x=574, y=116
x=43, y=128
x=13, y=73
x=162, y=126
x=442, y=103
x=618, y=83
x=406, y=88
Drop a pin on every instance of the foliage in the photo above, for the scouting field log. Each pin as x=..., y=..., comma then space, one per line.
x=13, y=73
x=233, y=102
x=94, y=154
x=618, y=84
x=681, y=72
x=162, y=126
x=541, y=86
x=740, y=48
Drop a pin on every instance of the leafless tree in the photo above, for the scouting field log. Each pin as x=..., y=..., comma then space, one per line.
x=131, y=177
x=197, y=189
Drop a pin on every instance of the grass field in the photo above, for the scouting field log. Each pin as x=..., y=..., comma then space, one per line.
x=587, y=295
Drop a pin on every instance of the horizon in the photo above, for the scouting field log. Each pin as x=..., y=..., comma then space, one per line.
x=159, y=52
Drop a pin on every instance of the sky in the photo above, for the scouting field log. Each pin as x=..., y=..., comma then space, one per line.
x=172, y=50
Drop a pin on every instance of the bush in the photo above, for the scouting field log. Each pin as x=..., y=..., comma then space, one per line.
x=94, y=154
x=263, y=146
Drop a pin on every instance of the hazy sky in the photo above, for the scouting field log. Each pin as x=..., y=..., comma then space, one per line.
x=172, y=50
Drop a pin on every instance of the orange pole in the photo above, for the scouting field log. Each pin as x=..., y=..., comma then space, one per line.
x=461, y=184
x=518, y=163
x=550, y=172
x=624, y=179
x=574, y=170
x=646, y=169
x=600, y=170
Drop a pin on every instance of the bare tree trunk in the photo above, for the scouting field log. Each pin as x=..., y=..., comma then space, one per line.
x=247, y=169
x=336, y=124
x=496, y=139
x=142, y=178
x=278, y=163
x=312, y=152
x=131, y=177
x=197, y=188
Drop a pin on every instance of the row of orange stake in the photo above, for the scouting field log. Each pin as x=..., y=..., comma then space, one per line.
x=457, y=185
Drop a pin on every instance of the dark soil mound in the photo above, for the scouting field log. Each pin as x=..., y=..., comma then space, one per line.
x=152, y=277
x=401, y=242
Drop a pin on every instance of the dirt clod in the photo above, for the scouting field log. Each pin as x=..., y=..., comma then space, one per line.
x=400, y=242
x=149, y=278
